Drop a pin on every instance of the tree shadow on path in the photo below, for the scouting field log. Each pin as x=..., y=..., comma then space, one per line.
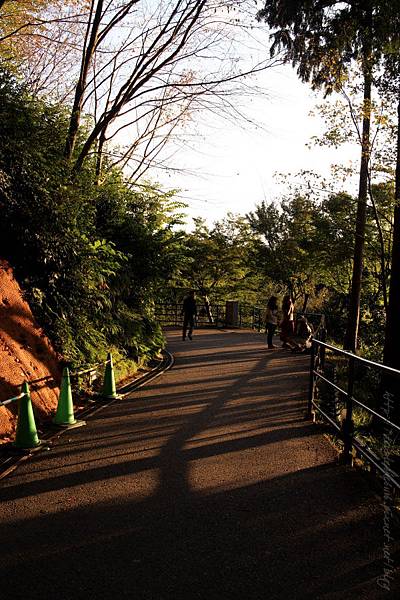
x=302, y=532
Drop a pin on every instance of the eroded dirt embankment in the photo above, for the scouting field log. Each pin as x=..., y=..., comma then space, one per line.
x=25, y=355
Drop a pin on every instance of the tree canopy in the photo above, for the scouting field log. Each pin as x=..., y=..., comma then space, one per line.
x=97, y=244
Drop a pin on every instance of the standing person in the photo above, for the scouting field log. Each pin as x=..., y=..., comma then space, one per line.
x=287, y=323
x=189, y=312
x=271, y=320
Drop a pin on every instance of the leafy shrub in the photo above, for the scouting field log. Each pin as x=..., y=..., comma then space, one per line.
x=90, y=258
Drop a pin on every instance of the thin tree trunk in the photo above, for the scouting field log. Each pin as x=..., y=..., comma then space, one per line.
x=305, y=302
x=99, y=157
x=148, y=66
x=207, y=306
x=92, y=32
x=350, y=340
x=382, y=276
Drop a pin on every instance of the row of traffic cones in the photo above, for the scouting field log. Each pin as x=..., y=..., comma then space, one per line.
x=27, y=437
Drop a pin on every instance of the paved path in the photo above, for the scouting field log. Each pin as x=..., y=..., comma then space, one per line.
x=206, y=484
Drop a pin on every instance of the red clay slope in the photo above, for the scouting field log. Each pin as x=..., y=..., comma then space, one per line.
x=25, y=355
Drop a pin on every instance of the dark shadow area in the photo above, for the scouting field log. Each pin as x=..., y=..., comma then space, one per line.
x=174, y=481
x=172, y=462
x=290, y=537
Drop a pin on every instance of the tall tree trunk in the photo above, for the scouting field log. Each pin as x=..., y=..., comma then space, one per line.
x=391, y=355
x=390, y=386
x=350, y=340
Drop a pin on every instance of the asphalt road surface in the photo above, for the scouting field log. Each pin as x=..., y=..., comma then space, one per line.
x=206, y=484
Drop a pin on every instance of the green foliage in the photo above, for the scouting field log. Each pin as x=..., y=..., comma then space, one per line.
x=306, y=246
x=216, y=261
x=142, y=224
x=90, y=258
x=323, y=39
x=295, y=242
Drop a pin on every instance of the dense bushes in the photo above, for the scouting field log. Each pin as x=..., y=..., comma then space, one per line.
x=89, y=257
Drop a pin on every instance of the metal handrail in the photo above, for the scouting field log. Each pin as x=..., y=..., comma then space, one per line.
x=373, y=412
x=347, y=430
x=90, y=369
x=364, y=406
x=373, y=459
x=369, y=363
x=249, y=315
x=48, y=377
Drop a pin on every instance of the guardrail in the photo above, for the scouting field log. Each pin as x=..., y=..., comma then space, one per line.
x=246, y=315
x=26, y=432
x=337, y=405
x=9, y=400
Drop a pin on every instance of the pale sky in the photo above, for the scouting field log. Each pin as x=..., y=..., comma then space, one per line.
x=234, y=166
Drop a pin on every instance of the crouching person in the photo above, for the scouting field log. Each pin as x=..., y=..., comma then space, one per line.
x=302, y=339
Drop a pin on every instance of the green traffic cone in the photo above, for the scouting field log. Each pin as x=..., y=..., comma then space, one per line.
x=109, y=388
x=64, y=417
x=65, y=408
x=26, y=436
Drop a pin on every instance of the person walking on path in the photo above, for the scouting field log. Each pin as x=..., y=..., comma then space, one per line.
x=189, y=312
x=287, y=323
x=271, y=320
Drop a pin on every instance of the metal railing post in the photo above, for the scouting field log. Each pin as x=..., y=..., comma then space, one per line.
x=312, y=382
x=217, y=317
x=322, y=352
x=348, y=425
